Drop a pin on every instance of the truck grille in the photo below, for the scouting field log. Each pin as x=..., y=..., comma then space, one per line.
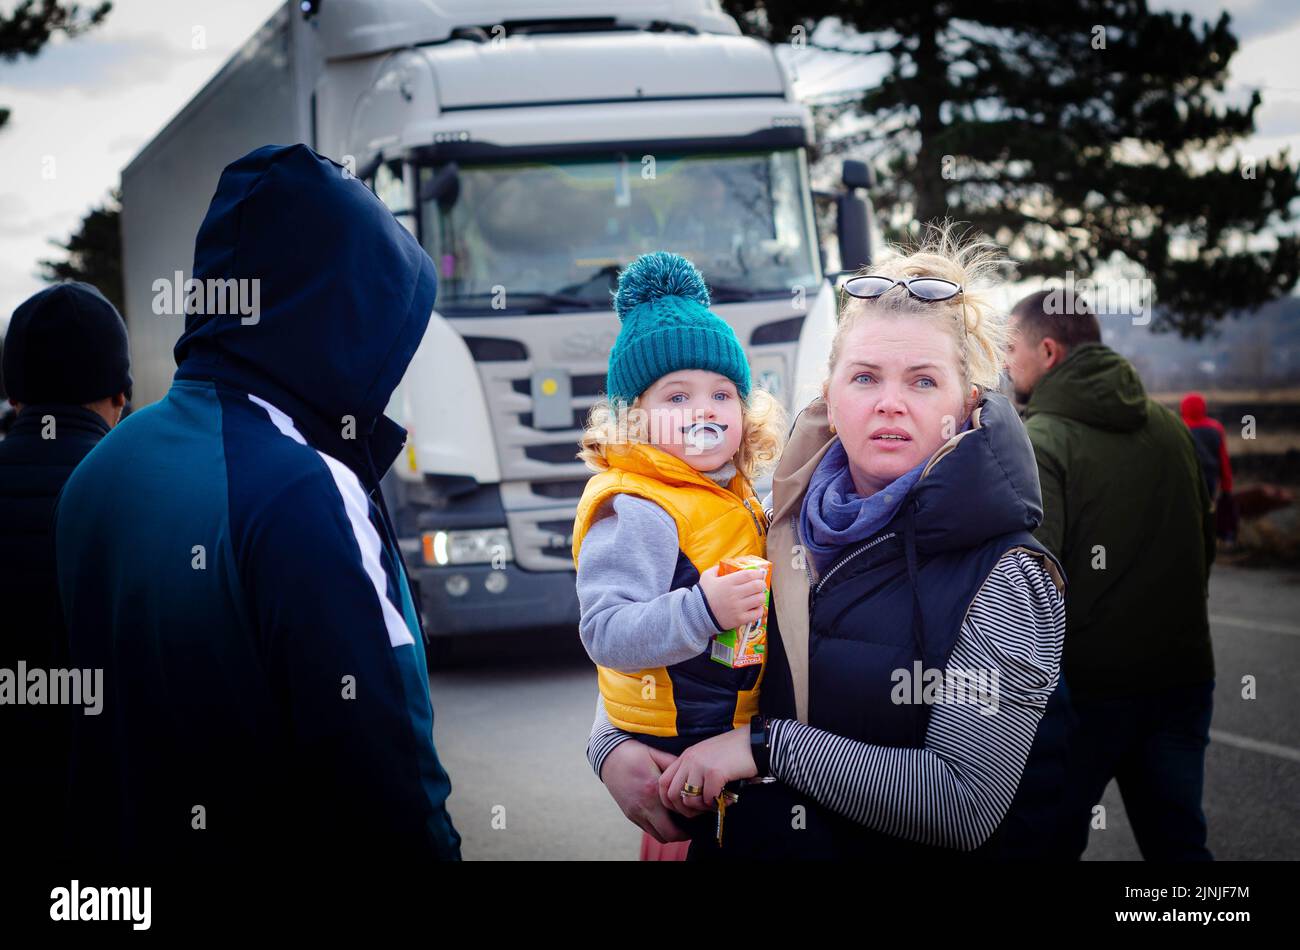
x=541, y=477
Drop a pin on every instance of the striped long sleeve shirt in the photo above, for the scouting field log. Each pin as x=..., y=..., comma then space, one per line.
x=954, y=790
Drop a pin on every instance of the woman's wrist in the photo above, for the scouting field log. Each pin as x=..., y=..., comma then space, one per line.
x=774, y=746
x=600, y=747
x=760, y=744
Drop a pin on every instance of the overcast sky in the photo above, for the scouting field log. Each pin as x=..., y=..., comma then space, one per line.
x=90, y=104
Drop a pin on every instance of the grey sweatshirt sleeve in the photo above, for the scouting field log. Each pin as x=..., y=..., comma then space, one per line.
x=630, y=620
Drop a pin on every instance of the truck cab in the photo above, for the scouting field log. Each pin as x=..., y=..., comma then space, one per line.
x=535, y=148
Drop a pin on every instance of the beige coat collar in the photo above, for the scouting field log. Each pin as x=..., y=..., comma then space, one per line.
x=791, y=567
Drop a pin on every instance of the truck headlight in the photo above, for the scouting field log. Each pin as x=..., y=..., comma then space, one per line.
x=478, y=546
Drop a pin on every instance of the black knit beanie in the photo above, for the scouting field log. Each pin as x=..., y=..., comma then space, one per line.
x=66, y=344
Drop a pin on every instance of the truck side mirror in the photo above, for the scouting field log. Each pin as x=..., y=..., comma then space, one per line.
x=856, y=174
x=853, y=231
x=443, y=187
x=853, y=217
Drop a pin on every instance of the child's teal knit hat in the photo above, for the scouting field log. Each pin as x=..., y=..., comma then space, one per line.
x=667, y=325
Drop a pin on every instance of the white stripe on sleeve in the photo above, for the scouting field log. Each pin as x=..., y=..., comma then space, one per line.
x=357, y=507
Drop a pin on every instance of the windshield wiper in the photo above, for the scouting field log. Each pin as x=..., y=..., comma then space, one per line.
x=528, y=301
x=734, y=293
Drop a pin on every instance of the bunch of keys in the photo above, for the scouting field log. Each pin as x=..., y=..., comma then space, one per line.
x=728, y=797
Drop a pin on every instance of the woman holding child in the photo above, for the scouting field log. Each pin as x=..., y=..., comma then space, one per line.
x=911, y=702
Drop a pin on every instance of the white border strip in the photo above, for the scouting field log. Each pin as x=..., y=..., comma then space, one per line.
x=357, y=507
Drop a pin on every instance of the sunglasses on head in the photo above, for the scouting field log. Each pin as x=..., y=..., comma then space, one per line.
x=871, y=286
x=931, y=289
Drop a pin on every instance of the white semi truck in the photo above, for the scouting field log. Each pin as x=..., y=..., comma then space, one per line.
x=534, y=148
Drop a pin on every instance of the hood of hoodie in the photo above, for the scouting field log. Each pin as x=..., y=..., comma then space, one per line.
x=981, y=483
x=1193, y=408
x=1093, y=385
x=345, y=295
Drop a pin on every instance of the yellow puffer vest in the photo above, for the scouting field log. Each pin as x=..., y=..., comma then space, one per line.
x=687, y=701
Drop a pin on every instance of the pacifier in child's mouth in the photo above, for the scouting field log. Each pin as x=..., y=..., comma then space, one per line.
x=704, y=436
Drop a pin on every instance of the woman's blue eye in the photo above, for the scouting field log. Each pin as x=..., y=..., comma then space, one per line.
x=676, y=396
x=861, y=376
x=723, y=393
x=927, y=379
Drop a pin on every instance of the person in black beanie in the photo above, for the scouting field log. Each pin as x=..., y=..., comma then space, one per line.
x=67, y=372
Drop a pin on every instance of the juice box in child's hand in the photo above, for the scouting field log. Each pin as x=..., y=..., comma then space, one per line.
x=747, y=645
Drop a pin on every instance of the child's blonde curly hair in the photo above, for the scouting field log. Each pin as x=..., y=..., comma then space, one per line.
x=763, y=427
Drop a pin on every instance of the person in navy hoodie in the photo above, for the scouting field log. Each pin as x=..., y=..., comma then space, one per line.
x=226, y=558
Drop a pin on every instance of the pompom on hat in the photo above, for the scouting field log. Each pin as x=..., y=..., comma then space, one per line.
x=667, y=326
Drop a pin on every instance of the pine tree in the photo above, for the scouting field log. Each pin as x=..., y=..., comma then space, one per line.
x=1074, y=134
x=94, y=253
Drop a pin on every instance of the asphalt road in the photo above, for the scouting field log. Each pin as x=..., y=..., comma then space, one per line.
x=512, y=716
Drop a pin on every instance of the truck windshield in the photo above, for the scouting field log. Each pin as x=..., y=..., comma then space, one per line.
x=544, y=236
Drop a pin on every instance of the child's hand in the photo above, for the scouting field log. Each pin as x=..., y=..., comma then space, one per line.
x=736, y=598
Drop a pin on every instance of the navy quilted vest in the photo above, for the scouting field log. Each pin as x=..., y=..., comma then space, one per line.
x=896, y=600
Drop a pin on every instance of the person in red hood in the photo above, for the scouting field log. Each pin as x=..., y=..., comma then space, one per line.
x=1212, y=451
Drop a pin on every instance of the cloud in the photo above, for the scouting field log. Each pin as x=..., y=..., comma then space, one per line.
x=47, y=227
x=1278, y=118
x=89, y=104
x=129, y=143
x=1250, y=18
x=1262, y=18
x=97, y=66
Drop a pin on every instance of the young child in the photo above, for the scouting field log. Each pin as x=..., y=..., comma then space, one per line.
x=674, y=445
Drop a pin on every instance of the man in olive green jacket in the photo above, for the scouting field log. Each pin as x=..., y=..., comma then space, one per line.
x=1127, y=513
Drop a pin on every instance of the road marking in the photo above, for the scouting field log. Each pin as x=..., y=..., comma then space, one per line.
x=1255, y=745
x=1260, y=625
